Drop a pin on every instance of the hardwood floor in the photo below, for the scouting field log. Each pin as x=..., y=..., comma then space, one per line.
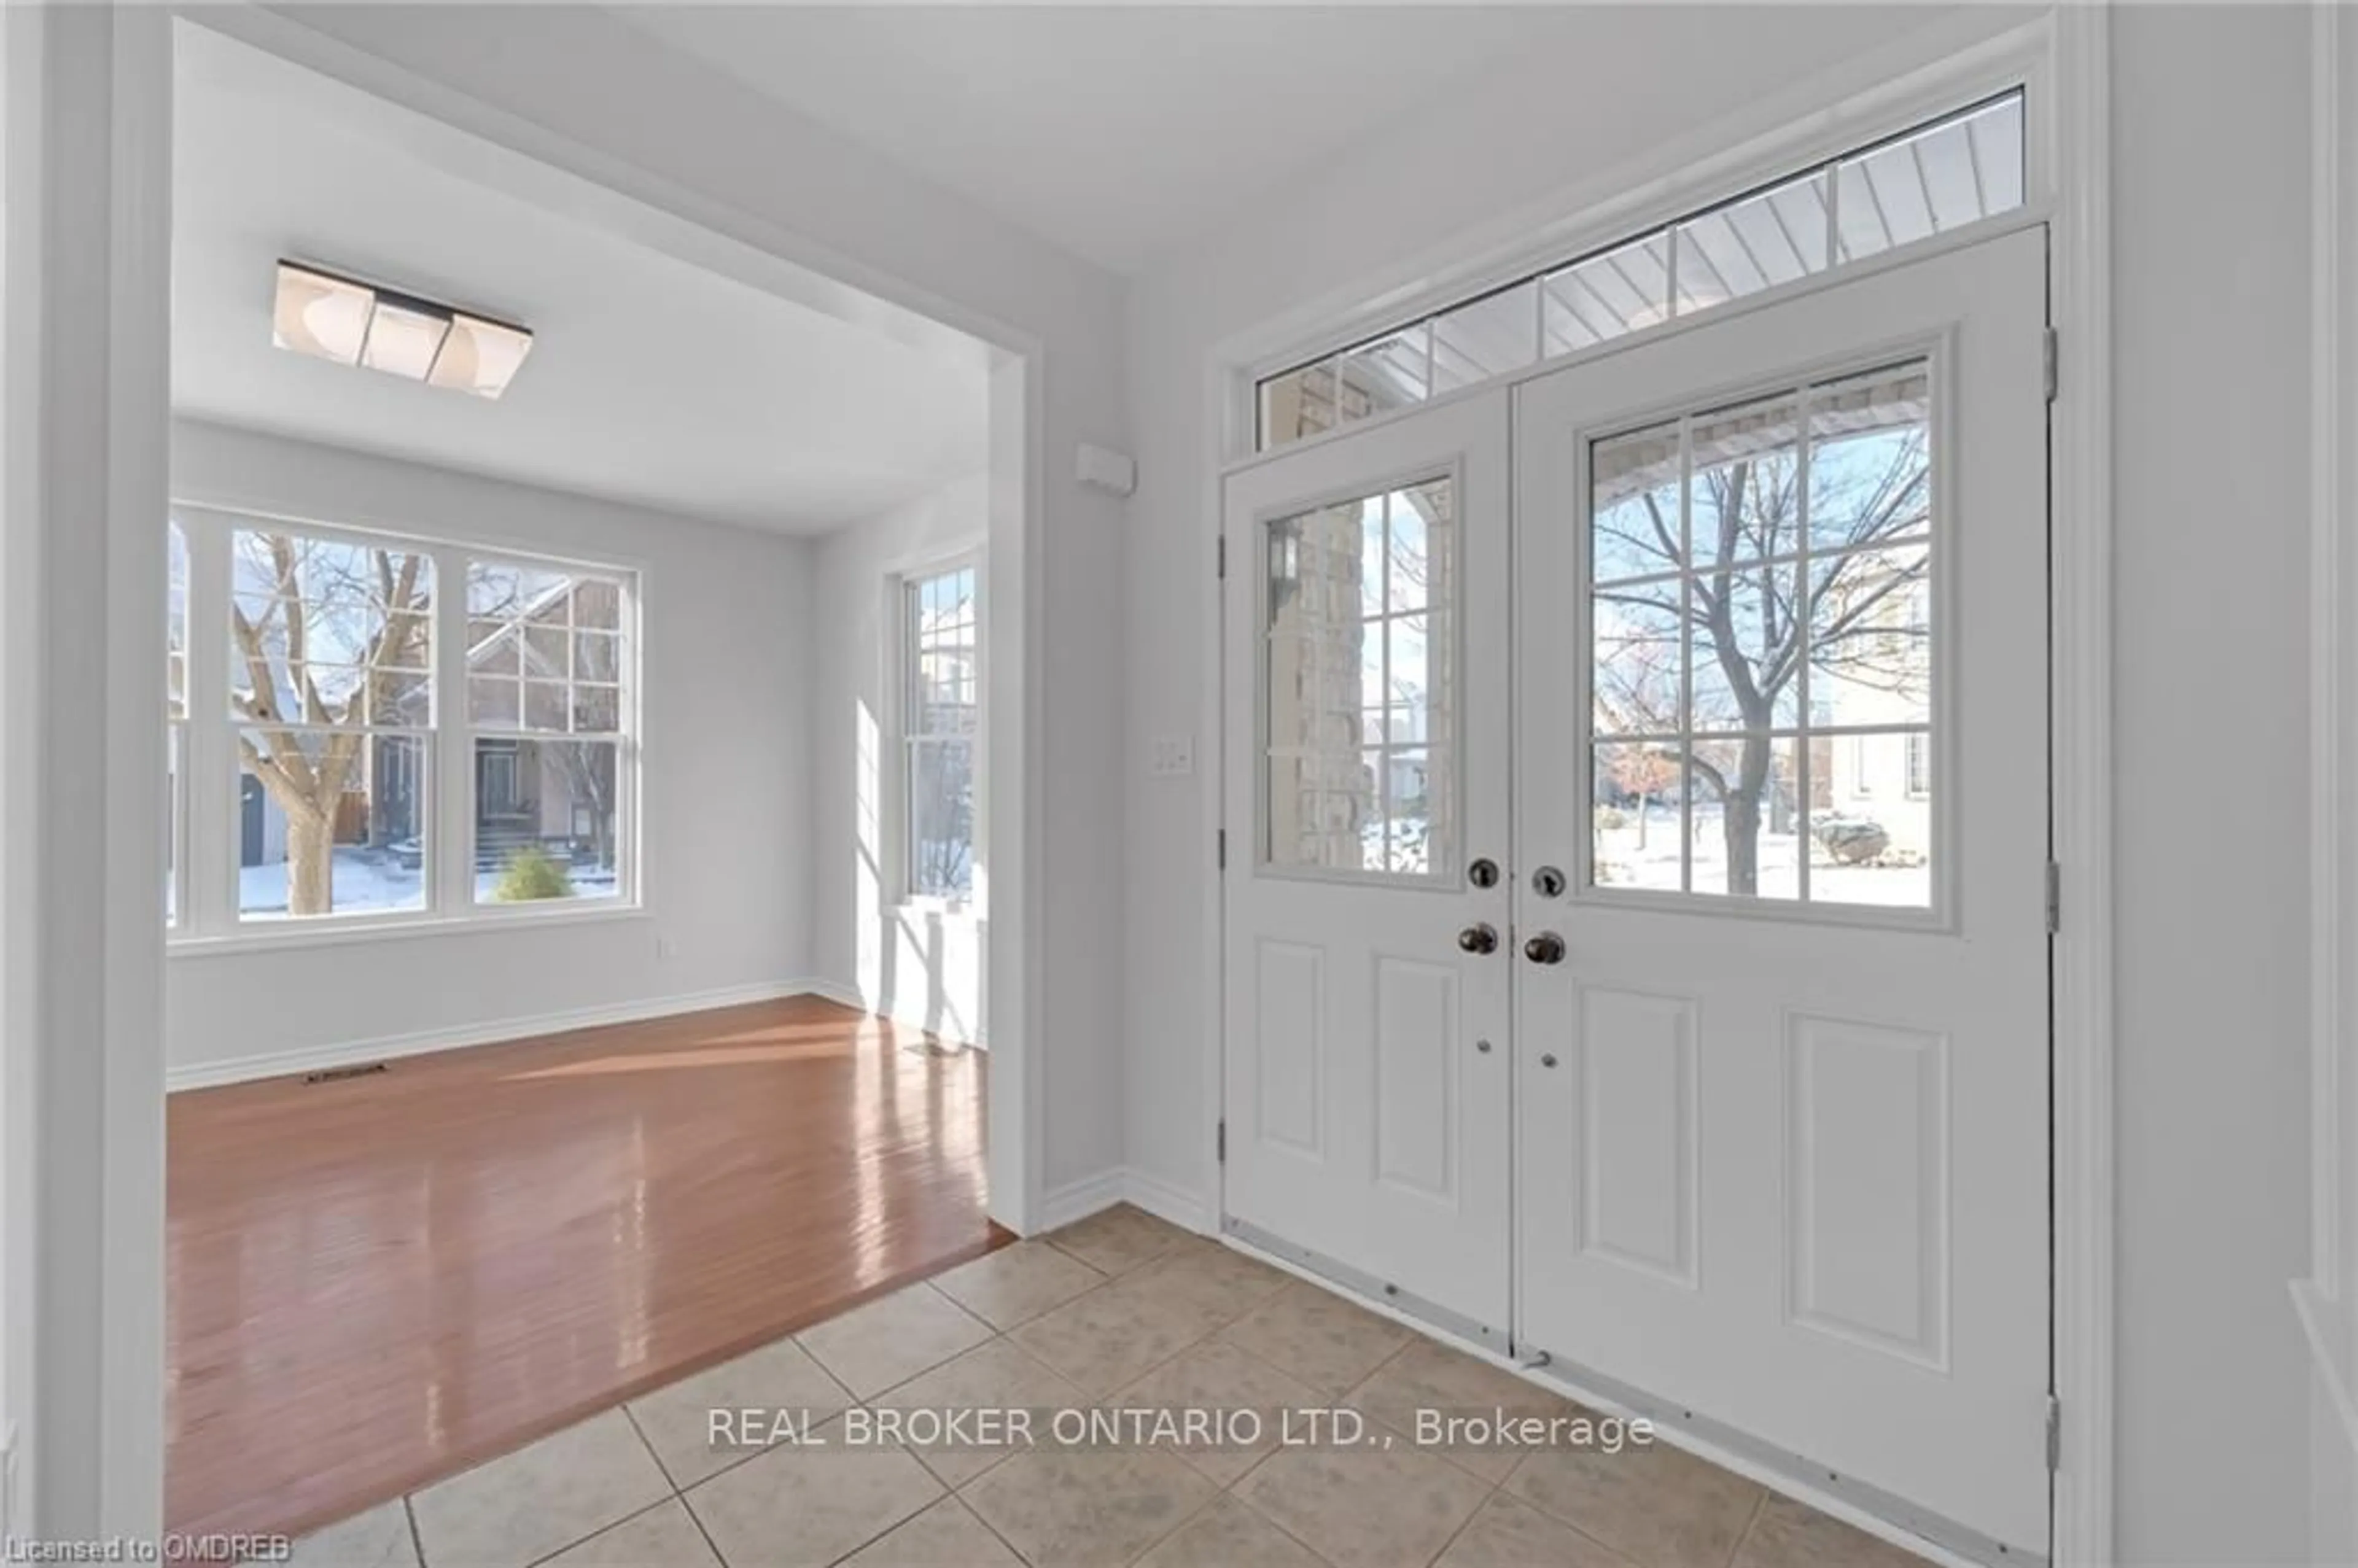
x=380, y=1281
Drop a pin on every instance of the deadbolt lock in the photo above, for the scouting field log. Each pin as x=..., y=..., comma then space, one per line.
x=1482, y=873
x=1548, y=882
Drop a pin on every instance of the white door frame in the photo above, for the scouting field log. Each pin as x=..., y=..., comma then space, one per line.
x=2061, y=59
x=89, y=110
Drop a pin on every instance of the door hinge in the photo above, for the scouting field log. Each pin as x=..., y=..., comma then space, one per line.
x=1220, y=555
x=2051, y=353
x=1220, y=848
x=2054, y=1434
x=2054, y=898
x=1220, y=1141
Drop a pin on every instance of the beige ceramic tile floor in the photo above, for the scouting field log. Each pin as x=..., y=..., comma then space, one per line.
x=1120, y=1310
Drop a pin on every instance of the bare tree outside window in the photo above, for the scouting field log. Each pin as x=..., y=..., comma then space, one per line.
x=331, y=651
x=1758, y=575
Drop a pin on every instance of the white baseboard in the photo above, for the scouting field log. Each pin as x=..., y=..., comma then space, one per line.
x=850, y=995
x=1078, y=1200
x=386, y=1048
x=839, y=992
x=1168, y=1200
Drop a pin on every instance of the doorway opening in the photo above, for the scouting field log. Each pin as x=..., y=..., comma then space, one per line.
x=541, y=818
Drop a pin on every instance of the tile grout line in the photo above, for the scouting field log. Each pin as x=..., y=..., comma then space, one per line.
x=1759, y=1506
x=640, y=1434
x=1579, y=1530
x=1184, y=1520
x=547, y=1557
x=697, y=1520
x=1200, y=1341
x=957, y=1496
x=866, y=1542
x=1263, y=1514
x=417, y=1542
x=1467, y=1522
x=1105, y=1280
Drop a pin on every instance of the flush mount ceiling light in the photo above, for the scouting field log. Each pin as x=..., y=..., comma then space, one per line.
x=352, y=323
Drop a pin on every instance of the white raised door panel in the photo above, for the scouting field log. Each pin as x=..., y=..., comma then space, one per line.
x=1365, y=771
x=1781, y=676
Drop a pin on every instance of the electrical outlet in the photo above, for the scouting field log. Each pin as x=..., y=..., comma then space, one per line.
x=1172, y=757
x=666, y=948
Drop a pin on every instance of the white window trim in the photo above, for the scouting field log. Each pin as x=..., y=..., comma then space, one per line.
x=208, y=811
x=894, y=789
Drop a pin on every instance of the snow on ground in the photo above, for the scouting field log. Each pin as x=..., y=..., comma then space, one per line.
x=1623, y=865
x=371, y=879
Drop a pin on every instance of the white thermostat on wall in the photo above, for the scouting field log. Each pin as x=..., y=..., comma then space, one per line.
x=1101, y=467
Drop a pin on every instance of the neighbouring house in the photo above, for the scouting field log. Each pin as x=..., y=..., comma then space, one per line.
x=542, y=666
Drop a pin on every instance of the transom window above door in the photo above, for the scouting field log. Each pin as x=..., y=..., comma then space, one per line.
x=1761, y=584
x=1930, y=180
x=1359, y=710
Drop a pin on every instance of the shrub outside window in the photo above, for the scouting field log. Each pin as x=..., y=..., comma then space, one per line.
x=387, y=751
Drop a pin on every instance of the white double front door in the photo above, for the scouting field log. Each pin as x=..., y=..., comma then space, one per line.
x=1634, y=921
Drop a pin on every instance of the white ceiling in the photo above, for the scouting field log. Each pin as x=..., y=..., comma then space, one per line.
x=652, y=381
x=1121, y=131
x=1112, y=132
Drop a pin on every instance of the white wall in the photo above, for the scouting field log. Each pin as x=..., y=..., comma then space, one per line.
x=725, y=809
x=920, y=966
x=2326, y=1295
x=2210, y=245
x=2211, y=588
x=871, y=223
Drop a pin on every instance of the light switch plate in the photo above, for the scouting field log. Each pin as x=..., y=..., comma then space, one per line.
x=1172, y=756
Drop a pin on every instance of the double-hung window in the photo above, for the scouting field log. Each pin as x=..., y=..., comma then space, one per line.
x=545, y=712
x=332, y=694
x=941, y=725
x=373, y=728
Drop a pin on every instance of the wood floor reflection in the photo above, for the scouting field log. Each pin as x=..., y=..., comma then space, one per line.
x=380, y=1281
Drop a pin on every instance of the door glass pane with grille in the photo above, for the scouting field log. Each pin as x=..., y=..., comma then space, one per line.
x=1360, y=706
x=1762, y=663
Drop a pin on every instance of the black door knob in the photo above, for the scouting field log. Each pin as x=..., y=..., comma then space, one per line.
x=1482, y=937
x=1547, y=947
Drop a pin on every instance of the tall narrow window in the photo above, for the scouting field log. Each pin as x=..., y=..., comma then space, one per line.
x=547, y=649
x=941, y=711
x=176, y=712
x=331, y=695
